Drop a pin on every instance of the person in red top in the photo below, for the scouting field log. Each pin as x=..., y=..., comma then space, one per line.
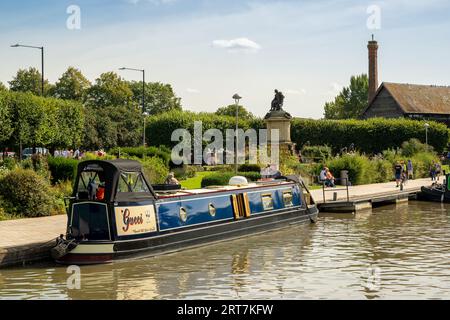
x=100, y=194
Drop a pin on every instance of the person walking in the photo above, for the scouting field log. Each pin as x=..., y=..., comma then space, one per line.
x=398, y=168
x=433, y=172
x=438, y=170
x=410, y=168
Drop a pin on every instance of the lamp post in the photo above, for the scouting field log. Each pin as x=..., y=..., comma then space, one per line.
x=42, y=62
x=237, y=98
x=426, y=134
x=144, y=113
x=143, y=84
x=145, y=116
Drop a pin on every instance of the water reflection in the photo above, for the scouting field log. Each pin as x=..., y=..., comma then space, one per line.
x=392, y=252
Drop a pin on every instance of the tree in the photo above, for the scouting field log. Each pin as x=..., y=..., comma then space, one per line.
x=3, y=87
x=72, y=85
x=109, y=90
x=231, y=111
x=6, y=127
x=29, y=81
x=351, y=101
x=159, y=97
x=112, y=126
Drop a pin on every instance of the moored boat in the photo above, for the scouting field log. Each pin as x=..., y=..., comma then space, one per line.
x=114, y=213
x=437, y=192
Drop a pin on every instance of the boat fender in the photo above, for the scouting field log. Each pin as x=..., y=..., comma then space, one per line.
x=62, y=247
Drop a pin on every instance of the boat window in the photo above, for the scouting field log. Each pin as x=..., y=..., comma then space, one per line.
x=183, y=214
x=132, y=182
x=287, y=198
x=89, y=183
x=212, y=210
x=90, y=221
x=267, y=201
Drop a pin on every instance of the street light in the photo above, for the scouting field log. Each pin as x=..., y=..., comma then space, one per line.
x=236, y=98
x=42, y=62
x=426, y=134
x=143, y=84
x=144, y=113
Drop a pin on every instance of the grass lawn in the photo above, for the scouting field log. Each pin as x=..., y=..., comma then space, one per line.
x=195, y=182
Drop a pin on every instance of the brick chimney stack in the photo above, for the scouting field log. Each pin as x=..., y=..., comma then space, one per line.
x=373, y=68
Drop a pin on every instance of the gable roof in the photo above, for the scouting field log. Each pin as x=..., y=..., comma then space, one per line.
x=413, y=98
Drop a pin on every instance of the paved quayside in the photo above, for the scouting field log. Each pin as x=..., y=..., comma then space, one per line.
x=362, y=197
x=27, y=240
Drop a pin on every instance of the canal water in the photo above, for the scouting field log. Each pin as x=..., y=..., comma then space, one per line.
x=398, y=252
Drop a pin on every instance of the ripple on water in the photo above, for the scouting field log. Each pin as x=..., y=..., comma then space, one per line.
x=394, y=252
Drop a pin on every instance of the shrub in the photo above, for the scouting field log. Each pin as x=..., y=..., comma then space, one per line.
x=186, y=172
x=155, y=169
x=252, y=176
x=249, y=167
x=422, y=162
x=358, y=168
x=222, y=178
x=25, y=193
x=62, y=169
x=8, y=163
x=143, y=152
x=320, y=153
x=414, y=146
x=217, y=179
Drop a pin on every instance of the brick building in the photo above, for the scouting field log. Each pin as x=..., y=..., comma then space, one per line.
x=395, y=100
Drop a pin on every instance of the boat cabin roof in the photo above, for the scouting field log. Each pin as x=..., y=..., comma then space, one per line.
x=122, y=180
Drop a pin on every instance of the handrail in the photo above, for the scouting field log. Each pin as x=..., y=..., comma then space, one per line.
x=336, y=189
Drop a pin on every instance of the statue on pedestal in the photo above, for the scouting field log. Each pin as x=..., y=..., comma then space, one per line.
x=276, y=109
x=277, y=102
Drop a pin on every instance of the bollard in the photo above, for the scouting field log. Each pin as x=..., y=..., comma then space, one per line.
x=334, y=196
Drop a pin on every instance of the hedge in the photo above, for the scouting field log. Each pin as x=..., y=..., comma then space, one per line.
x=62, y=169
x=161, y=152
x=159, y=128
x=368, y=136
x=38, y=121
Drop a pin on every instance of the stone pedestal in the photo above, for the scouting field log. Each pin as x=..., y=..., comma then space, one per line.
x=280, y=120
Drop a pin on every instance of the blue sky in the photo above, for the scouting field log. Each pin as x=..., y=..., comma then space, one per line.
x=209, y=50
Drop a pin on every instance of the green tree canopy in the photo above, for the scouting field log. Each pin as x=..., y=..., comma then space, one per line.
x=3, y=87
x=72, y=85
x=112, y=126
x=29, y=81
x=6, y=127
x=159, y=97
x=351, y=101
x=231, y=111
x=109, y=90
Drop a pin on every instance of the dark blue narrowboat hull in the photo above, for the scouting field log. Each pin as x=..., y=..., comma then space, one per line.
x=193, y=237
x=130, y=219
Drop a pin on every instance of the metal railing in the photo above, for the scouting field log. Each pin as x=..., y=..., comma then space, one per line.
x=332, y=189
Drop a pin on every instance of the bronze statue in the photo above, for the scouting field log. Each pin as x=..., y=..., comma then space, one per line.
x=277, y=102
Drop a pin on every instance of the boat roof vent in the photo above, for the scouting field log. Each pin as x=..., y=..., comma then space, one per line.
x=238, y=181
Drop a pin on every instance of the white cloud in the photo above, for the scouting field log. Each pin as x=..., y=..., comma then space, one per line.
x=193, y=91
x=238, y=44
x=335, y=88
x=298, y=92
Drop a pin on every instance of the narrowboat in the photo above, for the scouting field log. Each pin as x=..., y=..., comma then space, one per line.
x=437, y=192
x=115, y=213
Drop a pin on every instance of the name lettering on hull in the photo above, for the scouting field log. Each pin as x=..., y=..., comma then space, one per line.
x=135, y=220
